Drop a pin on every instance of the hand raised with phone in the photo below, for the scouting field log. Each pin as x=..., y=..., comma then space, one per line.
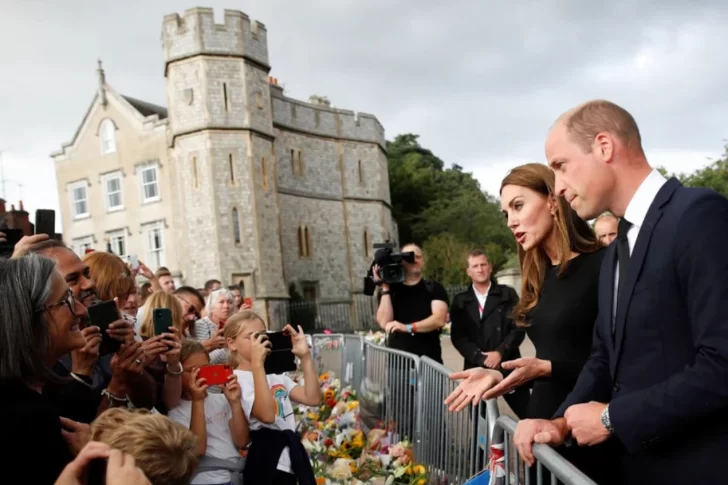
x=261, y=348
x=298, y=341
x=232, y=389
x=198, y=386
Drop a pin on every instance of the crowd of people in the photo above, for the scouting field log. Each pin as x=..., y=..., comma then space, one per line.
x=139, y=413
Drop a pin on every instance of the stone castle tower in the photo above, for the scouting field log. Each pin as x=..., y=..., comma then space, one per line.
x=270, y=191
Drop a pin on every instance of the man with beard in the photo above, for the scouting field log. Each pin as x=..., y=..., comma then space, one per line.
x=90, y=376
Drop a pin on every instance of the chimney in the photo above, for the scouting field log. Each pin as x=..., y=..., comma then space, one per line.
x=102, y=83
x=18, y=219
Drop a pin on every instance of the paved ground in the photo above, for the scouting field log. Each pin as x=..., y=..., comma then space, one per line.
x=453, y=360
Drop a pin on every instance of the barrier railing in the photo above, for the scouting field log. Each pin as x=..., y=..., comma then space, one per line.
x=390, y=383
x=407, y=393
x=549, y=464
x=453, y=445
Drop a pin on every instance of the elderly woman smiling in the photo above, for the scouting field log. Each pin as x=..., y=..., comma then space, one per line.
x=208, y=330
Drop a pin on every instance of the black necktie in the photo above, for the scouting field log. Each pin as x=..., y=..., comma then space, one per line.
x=623, y=257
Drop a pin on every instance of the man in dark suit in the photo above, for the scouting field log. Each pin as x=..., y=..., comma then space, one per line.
x=656, y=385
x=482, y=328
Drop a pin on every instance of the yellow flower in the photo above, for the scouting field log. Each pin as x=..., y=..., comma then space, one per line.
x=333, y=453
x=352, y=467
x=324, y=377
x=419, y=470
x=421, y=481
x=352, y=405
x=312, y=416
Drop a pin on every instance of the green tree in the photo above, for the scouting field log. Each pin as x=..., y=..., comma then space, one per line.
x=713, y=176
x=435, y=206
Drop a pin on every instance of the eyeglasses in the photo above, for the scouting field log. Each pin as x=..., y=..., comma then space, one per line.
x=68, y=300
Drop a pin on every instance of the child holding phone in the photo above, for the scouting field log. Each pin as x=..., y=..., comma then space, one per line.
x=217, y=420
x=276, y=455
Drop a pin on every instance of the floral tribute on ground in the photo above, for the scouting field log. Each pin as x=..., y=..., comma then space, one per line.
x=343, y=453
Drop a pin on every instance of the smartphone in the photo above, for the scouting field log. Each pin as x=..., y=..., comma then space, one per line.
x=45, y=222
x=281, y=358
x=102, y=314
x=134, y=262
x=215, y=374
x=248, y=301
x=162, y=318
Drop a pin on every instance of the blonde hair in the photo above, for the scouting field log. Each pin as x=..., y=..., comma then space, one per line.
x=161, y=299
x=586, y=121
x=111, y=275
x=190, y=347
x=572, y=234
x=234, y=327
x=164, y=450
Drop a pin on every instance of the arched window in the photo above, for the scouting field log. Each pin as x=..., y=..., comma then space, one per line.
x=107, y=131
x=236, y=226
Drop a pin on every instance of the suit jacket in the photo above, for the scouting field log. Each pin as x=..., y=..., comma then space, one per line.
x=665, y=373
x=472, y=334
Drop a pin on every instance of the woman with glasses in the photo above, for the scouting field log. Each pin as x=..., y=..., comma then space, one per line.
x=40, y=321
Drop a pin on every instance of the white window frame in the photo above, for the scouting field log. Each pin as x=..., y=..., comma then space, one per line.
x=81, y=244
x=107, y=135
x=72, y=187
x=108, y=178
x=143, y=185
x=156, y=257
x=114, y=238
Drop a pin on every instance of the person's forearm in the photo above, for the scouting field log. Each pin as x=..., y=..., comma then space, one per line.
x=142, y=390
x=385, y=311
x=433, y=322
x=198, y=425
x=172, y=390
x=239, y=427
x=263, y=405
x=312, y=388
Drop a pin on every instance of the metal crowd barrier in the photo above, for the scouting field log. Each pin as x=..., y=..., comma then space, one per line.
x=407, y=393
x=453, y=445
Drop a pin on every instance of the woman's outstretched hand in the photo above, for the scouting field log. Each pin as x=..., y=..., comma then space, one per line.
x=473, y=386
x=524, y=369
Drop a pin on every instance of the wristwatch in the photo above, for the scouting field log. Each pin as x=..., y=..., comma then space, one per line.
x=410, y=328
x=606, y=421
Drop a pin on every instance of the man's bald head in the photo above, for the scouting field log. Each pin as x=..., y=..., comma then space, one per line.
x=605, y=227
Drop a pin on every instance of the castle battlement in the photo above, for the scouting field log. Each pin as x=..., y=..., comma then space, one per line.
x=196, y=33
x=321, y=119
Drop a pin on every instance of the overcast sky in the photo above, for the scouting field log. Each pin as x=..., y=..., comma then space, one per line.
x=480, y=82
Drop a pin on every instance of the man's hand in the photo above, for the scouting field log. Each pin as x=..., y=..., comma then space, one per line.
x=84, y=360
x=585, y=422
x=492, y=359
x=77, y=435
x=76, y=472
x=122, y=470
x=26, y=244
x=526, y=369
x=395, y=326
x=471, y=390
x=543, y=431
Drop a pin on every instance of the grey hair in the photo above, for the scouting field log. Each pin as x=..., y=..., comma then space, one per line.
x=215, y=296
x=25, y=287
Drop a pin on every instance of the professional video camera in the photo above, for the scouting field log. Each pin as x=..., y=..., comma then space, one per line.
x=391, y=270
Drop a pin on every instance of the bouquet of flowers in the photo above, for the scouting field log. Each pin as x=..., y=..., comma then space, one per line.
x=340, y=451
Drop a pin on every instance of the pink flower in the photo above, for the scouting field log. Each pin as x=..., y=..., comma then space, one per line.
x=327, y=332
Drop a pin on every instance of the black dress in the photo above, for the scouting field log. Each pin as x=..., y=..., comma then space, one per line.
x=561, y=328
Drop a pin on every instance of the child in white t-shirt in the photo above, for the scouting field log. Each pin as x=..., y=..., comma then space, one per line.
x=216, y=419
x=276, y=455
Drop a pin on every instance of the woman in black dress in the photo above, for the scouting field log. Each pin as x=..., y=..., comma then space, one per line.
x=560, y=261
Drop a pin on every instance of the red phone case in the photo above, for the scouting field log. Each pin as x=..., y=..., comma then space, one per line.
x=215, y=374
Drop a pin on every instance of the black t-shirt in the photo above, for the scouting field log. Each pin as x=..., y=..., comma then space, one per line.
x=411, y=304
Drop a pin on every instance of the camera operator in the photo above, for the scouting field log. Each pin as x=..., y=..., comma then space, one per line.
x=413, y=312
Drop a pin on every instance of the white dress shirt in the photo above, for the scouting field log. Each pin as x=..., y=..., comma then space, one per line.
x=635, y=213
x=482, y=298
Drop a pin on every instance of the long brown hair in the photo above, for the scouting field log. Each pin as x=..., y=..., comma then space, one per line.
x=572, y=235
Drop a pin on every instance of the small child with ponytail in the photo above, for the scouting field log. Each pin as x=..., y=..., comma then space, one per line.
x=276, y=455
